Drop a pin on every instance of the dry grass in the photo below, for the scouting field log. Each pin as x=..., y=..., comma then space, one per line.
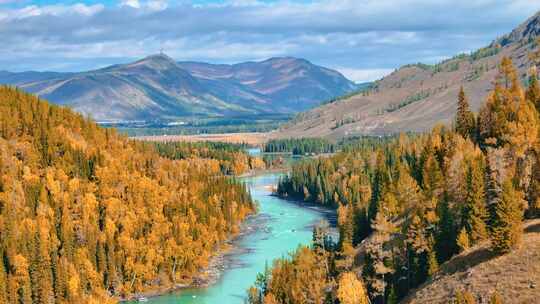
x=515, y=276
x=237, y=138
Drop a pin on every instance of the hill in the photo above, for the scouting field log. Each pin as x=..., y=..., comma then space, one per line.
x=158, y=88
x=480, y=272
x=88, y=216
x=424, y=214
x=416, y=97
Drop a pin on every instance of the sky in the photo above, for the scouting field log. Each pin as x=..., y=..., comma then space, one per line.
x=363, y=39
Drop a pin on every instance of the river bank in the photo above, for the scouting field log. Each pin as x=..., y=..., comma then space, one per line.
x=217, y=263
x=276, y=230
x=329, y=213
x=209, y=275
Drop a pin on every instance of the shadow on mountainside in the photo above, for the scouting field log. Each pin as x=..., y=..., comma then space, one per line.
x=468, y=260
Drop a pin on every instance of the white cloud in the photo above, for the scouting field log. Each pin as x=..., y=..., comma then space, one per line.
x=157, y=5
x=151, y=5
x=364, y=75
x=366, y=37
x=130, y=3
x=50, y=10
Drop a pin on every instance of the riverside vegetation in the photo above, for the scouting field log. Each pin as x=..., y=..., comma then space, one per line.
x=408, y=204
x=88, y=216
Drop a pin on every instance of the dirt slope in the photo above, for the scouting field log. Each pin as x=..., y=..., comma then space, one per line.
x=515, y=276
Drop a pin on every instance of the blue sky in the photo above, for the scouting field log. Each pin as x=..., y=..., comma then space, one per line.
x=364, y=39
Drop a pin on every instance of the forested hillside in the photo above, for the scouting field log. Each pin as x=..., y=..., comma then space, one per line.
x=233, y=160
x=407, y=205
x=87, y=216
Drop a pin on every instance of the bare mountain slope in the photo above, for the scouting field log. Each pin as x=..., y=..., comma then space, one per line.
x=416, y=97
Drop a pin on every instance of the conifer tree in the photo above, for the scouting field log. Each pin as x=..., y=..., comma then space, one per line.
x=507, y=219
x=433, y=264
x=432, y=178
x=533, y=90
x=533, y=195
x=446, y=243
x=474, y=210
x=465, y=121
x=392, y=296
x=508, y=119
x=378, y=184
x=378, y=256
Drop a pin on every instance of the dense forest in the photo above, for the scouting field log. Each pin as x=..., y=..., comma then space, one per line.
x=233, y=159
x=299, y=146
x=88, y=216
x=408, y=204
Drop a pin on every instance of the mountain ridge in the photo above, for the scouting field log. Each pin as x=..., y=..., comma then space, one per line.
x=159, y=88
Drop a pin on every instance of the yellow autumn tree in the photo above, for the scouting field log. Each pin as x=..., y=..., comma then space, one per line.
x=351, y=290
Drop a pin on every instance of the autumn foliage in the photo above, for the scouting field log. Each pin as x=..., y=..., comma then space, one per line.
x=408, y=204
x=88, y=216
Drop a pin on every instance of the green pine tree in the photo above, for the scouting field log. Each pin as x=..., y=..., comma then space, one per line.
x=507, y=219
x=474, y=210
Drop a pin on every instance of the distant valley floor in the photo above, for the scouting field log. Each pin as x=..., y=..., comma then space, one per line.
x=250, y=138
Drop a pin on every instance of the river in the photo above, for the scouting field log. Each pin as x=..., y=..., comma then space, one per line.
x=279, y=227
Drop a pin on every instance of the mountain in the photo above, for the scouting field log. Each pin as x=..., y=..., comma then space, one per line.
x=416, y=97
x=157, y=87
x=290, y=82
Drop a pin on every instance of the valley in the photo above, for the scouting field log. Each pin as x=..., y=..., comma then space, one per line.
x=279, y=227
x=233, y=169
x=253, y=139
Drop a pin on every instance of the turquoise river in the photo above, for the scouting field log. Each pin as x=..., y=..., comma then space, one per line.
x=280, y=227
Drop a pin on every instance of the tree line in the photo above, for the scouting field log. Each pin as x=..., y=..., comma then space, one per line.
x=408, y=204
x=299, y=146
x=233, y=159
x=88, y=216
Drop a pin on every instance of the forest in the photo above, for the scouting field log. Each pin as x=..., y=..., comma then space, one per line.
x=299, y=146
x=88, y=216
x=233, y=160
x=407, y=204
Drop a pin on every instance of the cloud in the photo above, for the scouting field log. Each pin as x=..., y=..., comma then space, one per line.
x=152, y=5
x=361, y=75
x=130, y=3
x=361, y=37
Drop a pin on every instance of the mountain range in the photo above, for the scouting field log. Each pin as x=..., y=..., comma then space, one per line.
x=416, y=97
x=159, y=88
